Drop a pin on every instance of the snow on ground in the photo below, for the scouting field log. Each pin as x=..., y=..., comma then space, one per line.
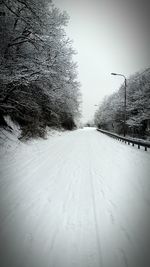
x=80, y=199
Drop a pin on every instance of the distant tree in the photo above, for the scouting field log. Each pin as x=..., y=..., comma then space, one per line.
x=90, y=123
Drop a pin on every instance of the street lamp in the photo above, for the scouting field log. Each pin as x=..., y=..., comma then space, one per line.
x=125, y=98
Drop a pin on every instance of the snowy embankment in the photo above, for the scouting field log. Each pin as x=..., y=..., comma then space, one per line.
x=10, y=139
x=79, y=199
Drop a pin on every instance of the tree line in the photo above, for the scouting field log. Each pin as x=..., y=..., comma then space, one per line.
x=38, y=76
x=110, y=114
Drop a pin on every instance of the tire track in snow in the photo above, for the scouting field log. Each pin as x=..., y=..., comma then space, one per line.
x=96, y=220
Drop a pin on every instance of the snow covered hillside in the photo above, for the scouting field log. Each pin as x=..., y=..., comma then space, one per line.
x=79, y=199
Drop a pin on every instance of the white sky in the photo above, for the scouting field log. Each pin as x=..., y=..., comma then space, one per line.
x=109, y=36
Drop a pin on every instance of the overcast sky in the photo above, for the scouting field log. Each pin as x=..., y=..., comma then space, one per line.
x=109, y=36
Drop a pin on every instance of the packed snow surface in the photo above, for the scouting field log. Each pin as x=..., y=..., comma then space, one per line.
x=81, y=199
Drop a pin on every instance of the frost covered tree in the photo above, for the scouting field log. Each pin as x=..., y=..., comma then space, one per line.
x=110, y=115
x=38, y=77
x=138, y=100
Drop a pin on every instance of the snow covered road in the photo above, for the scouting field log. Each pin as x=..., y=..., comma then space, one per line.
x=77, y=200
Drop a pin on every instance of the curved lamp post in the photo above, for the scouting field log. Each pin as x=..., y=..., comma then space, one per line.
x=125, y=98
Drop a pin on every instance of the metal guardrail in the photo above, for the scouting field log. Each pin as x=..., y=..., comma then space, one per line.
x=144, y=144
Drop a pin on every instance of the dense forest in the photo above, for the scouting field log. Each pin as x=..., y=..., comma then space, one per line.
x=110, y=114
x=38, y=76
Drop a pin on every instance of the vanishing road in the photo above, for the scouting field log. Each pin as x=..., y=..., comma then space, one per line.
x=80, y=199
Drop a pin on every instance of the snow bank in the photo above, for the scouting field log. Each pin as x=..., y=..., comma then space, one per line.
x=9, y=138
